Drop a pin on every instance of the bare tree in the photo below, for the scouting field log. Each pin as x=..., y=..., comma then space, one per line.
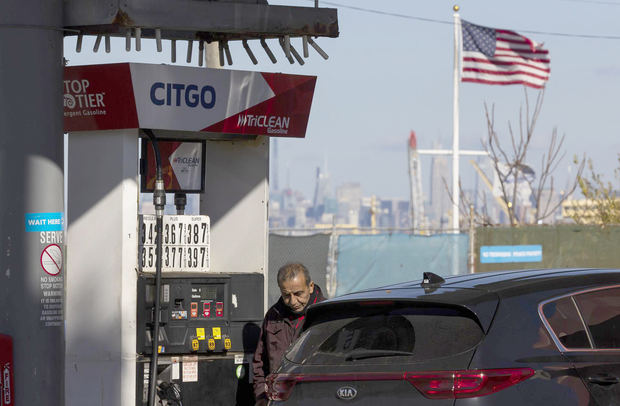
x=510, y=164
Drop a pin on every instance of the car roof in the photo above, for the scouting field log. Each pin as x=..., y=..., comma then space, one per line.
x=480, y=292
x=502, y=281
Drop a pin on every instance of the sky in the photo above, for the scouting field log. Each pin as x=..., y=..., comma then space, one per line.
x=390, y=72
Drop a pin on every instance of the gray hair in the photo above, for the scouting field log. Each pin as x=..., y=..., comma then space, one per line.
x=291, y=270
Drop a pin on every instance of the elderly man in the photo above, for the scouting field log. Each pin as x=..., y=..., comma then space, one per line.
x=283, y=323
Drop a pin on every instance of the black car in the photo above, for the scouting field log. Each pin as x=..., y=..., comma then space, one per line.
x=528, y=337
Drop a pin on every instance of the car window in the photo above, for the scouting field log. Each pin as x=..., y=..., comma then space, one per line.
x=375, y=334
x=566, y=324
x=601, y=312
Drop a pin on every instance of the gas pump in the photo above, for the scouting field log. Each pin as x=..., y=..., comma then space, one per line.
x=201, y=345
x=206, y=338
x=213, y=263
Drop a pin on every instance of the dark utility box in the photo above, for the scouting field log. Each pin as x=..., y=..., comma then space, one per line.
x=197, y=381
x=201, y=313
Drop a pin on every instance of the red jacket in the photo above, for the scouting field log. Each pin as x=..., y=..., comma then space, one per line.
x=280, y=328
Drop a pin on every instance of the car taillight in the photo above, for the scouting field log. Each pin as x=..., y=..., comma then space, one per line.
x=466, y=384
x=433, y=385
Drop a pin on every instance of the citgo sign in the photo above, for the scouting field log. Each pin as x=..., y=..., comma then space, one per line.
x=132, y=95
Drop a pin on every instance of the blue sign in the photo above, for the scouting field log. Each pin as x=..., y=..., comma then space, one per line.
x=45, y=221
x=490, y=254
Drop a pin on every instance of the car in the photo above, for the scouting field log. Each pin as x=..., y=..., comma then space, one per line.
x=524, y=337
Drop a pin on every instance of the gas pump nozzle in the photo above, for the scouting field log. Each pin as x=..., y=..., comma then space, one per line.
x=159, y=197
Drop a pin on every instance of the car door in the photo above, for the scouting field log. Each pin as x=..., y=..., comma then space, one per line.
x=586, y=325
x=600, y=367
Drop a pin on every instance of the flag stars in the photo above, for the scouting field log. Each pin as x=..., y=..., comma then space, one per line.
x=478, y=39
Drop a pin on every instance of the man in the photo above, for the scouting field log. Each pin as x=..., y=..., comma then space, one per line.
x=283, y=323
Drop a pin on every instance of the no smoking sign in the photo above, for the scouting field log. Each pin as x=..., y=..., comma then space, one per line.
x=51, y=259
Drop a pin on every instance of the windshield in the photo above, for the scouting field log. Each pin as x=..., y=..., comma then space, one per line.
x=379, y=333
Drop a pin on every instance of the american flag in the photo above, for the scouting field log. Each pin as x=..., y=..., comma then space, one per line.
x=502, y=57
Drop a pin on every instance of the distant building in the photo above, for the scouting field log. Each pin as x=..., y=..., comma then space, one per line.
x=551, y=199
x=386, y=214
x=365, y=217
x=349, y=196
x=393, y=213
x=402, y=214
x=322, y=194
x=584, y=209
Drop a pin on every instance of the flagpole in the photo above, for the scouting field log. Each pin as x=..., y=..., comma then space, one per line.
x=455, y=125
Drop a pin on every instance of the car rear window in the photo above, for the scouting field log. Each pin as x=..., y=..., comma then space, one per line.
x=377, y=332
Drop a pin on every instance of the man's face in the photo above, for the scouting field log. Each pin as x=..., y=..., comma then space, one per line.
x=296, y=293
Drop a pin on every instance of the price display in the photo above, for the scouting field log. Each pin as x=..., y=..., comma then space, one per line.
x=185, y=243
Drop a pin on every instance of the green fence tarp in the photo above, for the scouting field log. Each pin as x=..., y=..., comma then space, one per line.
x=563, y=246
x=368, y=261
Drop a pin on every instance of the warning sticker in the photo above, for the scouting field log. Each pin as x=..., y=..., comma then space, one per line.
x=51, y=259
x=52, y=287
x=190, y=369
x=200, y=333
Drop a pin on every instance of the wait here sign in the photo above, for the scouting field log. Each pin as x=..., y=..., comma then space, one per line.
x=44, y=221
x=490, y=254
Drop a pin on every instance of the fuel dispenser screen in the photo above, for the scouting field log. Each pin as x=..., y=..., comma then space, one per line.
x=208, y=292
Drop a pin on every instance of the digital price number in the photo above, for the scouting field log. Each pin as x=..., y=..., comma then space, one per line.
x=185, y=243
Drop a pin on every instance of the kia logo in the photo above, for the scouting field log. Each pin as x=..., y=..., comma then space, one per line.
x=346, y=393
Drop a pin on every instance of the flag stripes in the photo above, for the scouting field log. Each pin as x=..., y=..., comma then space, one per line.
x=502, y=57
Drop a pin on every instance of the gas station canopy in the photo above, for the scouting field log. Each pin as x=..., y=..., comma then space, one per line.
x=164, y=97
x=199, y=20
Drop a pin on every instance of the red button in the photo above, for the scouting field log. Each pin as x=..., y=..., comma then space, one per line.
x=206, y=309
x=194, y=312
x=219, y=309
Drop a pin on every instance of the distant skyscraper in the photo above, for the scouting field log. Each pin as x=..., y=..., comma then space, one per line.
x=349, y=197
x=322, y=192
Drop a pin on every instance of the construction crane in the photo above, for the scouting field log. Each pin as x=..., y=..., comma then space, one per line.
x=487, y=182
x=416, y=204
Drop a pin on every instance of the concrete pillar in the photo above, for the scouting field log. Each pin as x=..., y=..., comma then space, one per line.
x=31, y=187
x=102, y=257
